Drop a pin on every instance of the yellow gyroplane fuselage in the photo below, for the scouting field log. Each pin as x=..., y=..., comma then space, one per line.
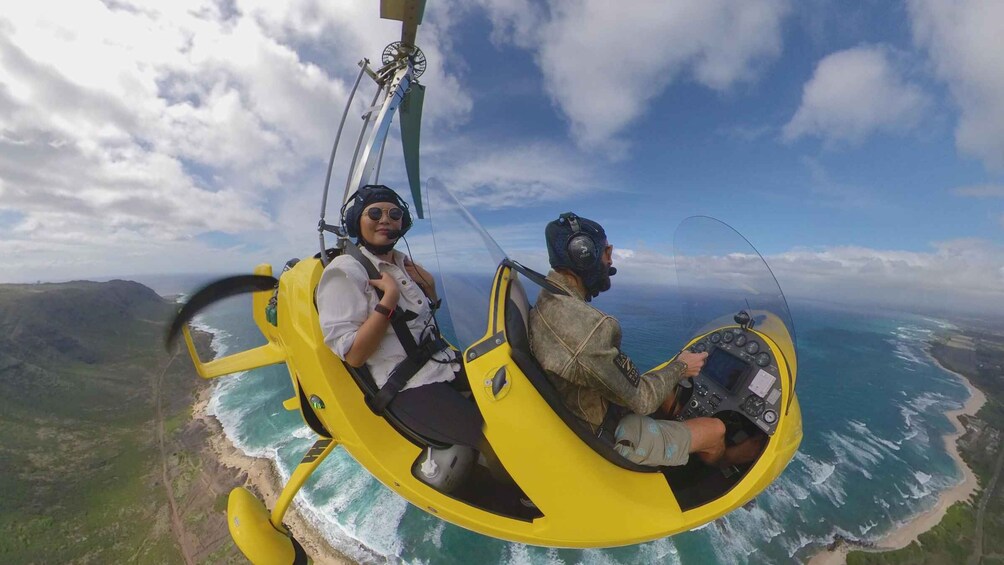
x=584, y=500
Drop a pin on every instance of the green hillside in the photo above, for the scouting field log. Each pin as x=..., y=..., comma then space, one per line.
x=87, y=392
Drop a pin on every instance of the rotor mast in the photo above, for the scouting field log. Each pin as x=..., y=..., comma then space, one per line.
x=397, y=88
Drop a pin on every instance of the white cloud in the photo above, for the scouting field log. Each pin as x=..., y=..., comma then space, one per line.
x=855, y=93
x=127, y=130
x=353, y=30
x=964, y=41
x=965, y=275
x=603, y=63
x=486, y=175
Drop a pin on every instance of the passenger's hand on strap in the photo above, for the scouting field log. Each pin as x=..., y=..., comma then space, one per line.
x=391, y=292
x=374, y=328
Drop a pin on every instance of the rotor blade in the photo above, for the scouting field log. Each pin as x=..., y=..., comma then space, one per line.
x=214, y=292
x=409, y=12
x=411, y=134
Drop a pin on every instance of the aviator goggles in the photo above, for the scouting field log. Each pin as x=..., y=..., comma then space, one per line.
x=376, y=213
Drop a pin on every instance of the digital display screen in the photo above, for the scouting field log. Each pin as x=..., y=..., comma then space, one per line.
x=724, y=368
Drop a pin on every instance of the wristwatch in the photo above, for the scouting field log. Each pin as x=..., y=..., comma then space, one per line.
x=383, y=310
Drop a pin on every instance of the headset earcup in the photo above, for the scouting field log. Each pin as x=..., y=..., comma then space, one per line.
x=406, y=219
x=350, y=218
x=581, y=251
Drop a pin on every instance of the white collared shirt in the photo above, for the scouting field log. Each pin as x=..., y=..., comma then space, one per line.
x=345, y=300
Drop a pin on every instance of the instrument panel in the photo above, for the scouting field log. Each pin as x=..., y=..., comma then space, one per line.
x=740, y=374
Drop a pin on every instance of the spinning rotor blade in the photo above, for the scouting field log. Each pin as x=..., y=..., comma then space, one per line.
x=408, y=12
x=214, y=292
x=411, y=133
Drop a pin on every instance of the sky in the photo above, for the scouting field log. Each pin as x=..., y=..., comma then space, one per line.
x=859, y=146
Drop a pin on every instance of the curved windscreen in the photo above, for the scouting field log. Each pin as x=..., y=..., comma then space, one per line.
x=721, y=274
x=468, y=258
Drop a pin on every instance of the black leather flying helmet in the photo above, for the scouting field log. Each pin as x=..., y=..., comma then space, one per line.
x=578, y=244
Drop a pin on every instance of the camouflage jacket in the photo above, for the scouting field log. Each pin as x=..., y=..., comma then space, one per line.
x=579, y=348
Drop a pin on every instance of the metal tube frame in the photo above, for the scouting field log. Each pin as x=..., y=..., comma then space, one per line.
x=393, y=80
x=363, y=67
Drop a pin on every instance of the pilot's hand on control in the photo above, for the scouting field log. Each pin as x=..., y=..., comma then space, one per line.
x=388, y=285
x=694, y=362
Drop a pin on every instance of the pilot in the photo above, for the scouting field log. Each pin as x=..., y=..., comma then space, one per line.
x=578, y=346
x=358, y=317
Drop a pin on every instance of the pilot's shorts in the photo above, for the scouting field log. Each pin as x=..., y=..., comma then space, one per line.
x=647, y=441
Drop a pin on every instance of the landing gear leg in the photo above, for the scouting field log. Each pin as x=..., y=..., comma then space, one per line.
x=261, y=536
x=317, y=453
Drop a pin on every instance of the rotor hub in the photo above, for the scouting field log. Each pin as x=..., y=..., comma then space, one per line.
x=398, y=50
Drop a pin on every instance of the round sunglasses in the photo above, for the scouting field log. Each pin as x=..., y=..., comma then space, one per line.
x=376, y=213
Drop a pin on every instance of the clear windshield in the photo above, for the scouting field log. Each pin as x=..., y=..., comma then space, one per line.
x=721, y=274
x=468, y=258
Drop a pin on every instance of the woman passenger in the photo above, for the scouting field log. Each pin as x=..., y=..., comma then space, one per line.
x=356, y=321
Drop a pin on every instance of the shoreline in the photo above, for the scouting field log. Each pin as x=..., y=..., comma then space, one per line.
x=262, y=478
x=906, y=533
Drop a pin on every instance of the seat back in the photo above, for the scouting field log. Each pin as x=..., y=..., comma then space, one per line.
x=517, y=316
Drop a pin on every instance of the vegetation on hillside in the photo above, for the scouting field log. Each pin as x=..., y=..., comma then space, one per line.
x=85, y=386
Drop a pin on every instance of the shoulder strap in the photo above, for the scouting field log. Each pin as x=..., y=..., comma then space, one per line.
x=371, y=270
x=537, y=278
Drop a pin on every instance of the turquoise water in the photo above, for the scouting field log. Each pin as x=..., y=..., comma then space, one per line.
x=873, y=409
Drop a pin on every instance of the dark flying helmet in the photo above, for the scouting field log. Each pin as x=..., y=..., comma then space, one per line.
x=577, y=244
x=352, y=212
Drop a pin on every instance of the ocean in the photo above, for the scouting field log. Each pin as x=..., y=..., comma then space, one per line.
x=872, y=456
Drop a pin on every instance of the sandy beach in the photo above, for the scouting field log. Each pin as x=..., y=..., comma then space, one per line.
x=263, y=479
x=908, y=532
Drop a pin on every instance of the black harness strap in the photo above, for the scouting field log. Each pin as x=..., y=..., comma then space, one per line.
x=403, y=372
x=537, y=278
x=417, y=355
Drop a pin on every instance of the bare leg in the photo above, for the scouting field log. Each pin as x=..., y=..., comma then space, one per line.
x=707, y=438
x=667, y=408
x=744, y=451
